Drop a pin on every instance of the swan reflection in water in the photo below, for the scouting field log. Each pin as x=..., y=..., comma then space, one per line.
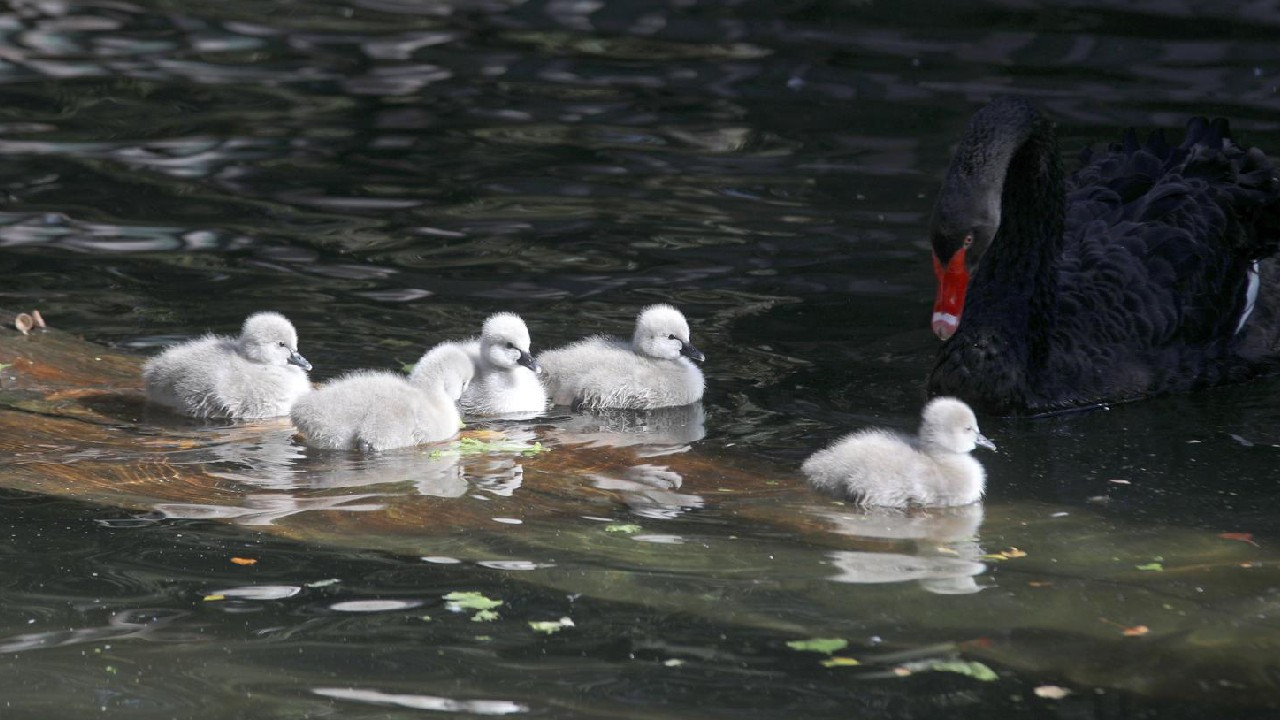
x=648, y=489
x=663, y=431
x=946, y=557
x=279, y=478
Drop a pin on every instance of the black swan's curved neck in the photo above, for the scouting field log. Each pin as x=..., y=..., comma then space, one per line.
x=1010, y=152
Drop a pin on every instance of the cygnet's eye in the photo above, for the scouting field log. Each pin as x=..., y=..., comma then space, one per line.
x=511, y=346
x=281, y=344
x=672, y=336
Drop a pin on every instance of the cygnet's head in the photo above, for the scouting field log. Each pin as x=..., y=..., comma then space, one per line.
x=504, y=342
x=268, y=338
x=663, y=333
x=445, y=366
x=950, y=425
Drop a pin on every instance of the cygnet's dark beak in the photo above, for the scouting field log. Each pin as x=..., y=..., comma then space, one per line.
x=691, y=352
x=984, y=441
x=527, y=360
x=296, y=359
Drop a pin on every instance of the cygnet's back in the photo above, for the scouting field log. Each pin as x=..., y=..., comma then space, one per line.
x=506, y=381
x=877, y=467
x=256, y=375
x=654, y=370
x=373, y=410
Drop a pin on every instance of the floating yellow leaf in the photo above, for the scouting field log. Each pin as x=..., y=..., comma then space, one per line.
x=1012, y=552
x=839, y=661
x=215, y=596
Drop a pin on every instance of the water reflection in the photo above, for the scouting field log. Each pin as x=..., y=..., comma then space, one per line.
x=266, y=509
x=652, y=432
x=124, y=625
x=650, y=491
x=422, y=702
x=945, y=555
x=425, y=470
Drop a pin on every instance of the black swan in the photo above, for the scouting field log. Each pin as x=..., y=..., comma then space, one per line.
x=1151, y=269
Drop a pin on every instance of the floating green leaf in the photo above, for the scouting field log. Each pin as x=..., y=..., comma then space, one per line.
x=475, y=446
x=825, y=646
x=1151, y=567
x=624, y=529
x=484, y=616
x=461, y=601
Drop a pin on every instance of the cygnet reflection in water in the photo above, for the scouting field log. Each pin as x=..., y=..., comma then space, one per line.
x=946, y=555
x=369, y=410
x=661, y=431
x=650, y=491
x=266, y=508
x=428, y=470
x=653, y=370
x=877, y=467
x=262, y=455
x=256, y=375
x=506, y=380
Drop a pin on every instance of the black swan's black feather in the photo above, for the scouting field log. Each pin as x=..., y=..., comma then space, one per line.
x=1124, y=280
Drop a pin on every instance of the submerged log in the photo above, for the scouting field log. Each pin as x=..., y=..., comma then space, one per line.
x=748, y=542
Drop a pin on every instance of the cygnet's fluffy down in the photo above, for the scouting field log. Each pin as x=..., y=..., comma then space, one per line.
x=256, y=375
x=372, y=410
x=506, y=380
x=876, y=467
x=654, y=370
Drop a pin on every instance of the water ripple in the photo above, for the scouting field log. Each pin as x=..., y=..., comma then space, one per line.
x=423, y=702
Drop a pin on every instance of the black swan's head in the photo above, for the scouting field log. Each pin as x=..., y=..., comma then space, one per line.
x=967, y=213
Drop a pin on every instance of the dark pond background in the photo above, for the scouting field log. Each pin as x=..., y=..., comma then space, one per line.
x=389, y=172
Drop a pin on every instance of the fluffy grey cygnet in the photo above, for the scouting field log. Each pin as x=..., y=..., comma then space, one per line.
x=876, y=467
x=257, y=375
x=651, y=371
x=374, y=410
x=506, y=380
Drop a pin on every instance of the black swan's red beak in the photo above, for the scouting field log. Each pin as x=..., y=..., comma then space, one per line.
x=952, y=281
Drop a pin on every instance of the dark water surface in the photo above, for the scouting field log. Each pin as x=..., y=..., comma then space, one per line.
x=389, y=172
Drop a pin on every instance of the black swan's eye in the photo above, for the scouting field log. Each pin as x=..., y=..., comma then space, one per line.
x=968, y=241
